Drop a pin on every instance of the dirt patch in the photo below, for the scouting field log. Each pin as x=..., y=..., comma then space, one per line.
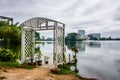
x=33, y=74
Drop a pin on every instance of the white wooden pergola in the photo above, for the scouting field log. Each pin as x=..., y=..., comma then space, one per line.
x=28, y=29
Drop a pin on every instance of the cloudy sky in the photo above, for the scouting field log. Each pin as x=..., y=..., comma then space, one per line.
x=101, y=16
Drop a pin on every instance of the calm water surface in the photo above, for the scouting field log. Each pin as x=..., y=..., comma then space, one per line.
x=96, y=59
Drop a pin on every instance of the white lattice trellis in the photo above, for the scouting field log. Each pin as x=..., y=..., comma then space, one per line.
x=59, y=45
x=28, y=44
x=28, y=38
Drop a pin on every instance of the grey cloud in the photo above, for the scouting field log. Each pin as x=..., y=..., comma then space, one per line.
x=15, y=6
x=92, y=9
x=7, y=4
x=115, y=33
x=21, y=9
x=118, y=18
x=75, y=13
x=71, y=10
x=117, y=15
x=87, y=24
x=74, y=6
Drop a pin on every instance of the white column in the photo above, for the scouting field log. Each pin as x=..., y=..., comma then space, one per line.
x=56, y=43
x=33, y=44
x=22, y=45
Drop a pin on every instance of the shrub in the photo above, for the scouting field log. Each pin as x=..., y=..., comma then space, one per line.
x=7, y=55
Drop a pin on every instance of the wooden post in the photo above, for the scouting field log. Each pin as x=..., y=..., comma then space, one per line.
x=22, y=45
x=55, y=44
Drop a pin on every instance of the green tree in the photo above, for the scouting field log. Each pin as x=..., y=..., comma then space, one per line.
x=37, y=35
x=4, y=23
x=11, y=33
x=72, y=37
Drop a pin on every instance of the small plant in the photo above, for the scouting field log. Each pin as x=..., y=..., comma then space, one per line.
x=38, y=52
x=47, y=59
x=74, y=57
x=74, y=49
x=39, y=55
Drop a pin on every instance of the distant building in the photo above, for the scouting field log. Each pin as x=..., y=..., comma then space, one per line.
x=94, y=36
x=3, y=18
x=82, y=33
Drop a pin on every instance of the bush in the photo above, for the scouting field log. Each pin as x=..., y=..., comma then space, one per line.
x=7, y=55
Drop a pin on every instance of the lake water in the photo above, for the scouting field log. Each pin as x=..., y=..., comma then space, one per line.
x=100, y=59
x=96, y=59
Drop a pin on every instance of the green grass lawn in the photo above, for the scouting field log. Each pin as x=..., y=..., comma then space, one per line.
x=9, y=64
x=15, y=65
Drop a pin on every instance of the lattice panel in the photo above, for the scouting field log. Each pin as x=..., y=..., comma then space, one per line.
x=28, y=44
x=59, y=45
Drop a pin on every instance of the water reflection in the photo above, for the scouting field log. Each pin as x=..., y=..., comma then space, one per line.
x=43, y=43
x=77, y=44
x=94, y=44
x=49, y=42
x=82, y=45
x=46, y=42
x=100, y=59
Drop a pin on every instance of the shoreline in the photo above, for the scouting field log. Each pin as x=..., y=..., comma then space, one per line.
x=38, y=73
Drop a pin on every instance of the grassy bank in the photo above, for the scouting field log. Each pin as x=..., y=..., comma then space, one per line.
x=65, y=70
x=15, y=65
x=64, y=74
x=9, y=64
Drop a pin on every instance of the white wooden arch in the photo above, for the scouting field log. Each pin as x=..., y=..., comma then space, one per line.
x=28, y=29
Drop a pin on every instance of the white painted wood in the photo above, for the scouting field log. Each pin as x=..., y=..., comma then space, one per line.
x=22, y=45
x=35, y=24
